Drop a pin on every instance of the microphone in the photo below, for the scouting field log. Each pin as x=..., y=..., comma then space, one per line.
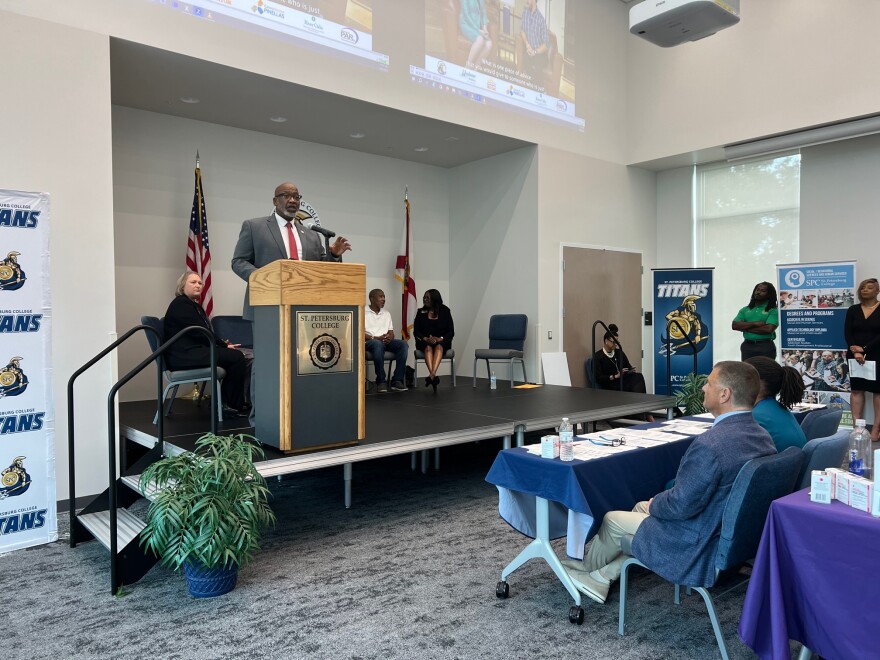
x=314, y=226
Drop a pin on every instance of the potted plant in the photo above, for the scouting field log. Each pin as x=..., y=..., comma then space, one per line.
x=210, y=507
x=690, y=396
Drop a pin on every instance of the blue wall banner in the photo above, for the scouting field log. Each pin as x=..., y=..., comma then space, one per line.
x=683, y=295
x=27, y=422
x=813, y=299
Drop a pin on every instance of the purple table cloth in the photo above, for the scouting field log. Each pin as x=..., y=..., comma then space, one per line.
x=815, y=581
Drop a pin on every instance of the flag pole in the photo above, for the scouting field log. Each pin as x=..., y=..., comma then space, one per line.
x=196, y=393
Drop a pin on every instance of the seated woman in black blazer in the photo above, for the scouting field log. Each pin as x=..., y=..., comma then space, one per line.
x=192, y=350
x=613, y=369
x=433, y=330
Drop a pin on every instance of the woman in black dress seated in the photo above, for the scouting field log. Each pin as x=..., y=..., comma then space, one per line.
x=433, y=330
x=612, y=368
x=193, y=351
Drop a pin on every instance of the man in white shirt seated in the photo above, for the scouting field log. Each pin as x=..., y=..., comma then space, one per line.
x=379, y=337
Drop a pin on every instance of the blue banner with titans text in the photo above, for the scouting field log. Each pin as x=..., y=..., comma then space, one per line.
x=682, y=325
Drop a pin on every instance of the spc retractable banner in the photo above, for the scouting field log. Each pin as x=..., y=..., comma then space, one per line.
x=813, y=299
x=682, y=325
x=27, y=422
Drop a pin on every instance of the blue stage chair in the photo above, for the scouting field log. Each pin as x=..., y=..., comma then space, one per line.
x=591, y=375
x=174, y=379
x=234, y=329
x=507, y=338
x=821, y=453
x=821, y=423
x=759, y=482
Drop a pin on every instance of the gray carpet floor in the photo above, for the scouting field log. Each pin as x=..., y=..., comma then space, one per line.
x=408, y=572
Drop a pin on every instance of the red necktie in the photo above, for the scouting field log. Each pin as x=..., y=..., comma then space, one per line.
x=291, y=241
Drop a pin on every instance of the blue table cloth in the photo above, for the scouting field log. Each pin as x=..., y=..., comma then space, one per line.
x=580, y=492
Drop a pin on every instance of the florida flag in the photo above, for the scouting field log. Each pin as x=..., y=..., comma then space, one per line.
x=403, y=274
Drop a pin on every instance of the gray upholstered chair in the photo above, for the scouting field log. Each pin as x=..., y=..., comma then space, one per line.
x=821, y=453
x=507, y=338
x=759, y=482
x=821, y=423
x=174, y=379
x=450, y=355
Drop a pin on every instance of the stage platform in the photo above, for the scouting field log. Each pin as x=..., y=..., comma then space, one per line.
x=414, y=421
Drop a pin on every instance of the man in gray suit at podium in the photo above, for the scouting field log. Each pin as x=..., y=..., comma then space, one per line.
x=267, y=239
x=279, y=236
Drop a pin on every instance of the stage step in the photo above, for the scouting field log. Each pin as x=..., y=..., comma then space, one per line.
x=128, y=526
x=133, y=482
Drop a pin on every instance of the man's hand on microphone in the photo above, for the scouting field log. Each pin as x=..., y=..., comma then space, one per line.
x=340, y=246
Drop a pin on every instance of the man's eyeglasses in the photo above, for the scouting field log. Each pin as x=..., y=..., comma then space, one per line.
x=286, y=196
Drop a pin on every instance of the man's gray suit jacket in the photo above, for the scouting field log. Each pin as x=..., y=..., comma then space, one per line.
x=678, y=541
x=260, y=243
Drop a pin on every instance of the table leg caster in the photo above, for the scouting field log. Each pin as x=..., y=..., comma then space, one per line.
x=576, y=614
x=502, y=590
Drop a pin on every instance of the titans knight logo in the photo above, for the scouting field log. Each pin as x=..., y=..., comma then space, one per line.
x=14, y=480
x=12, y=277
x=13, y=381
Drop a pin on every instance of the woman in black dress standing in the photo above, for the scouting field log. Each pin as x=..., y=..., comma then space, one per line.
x=433, y=330
x=861, y=330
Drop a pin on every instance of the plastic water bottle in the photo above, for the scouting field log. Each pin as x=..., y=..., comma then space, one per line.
x=859, y=455
x=566, y=438
x=493, y=382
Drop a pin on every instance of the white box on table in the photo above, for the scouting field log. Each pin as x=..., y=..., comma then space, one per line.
x=841, y=485
x=550, y=446
x=833, y=472
x=821, y=487
x=861, y=491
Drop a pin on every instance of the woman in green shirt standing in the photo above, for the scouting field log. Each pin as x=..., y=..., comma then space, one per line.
x=758, y=322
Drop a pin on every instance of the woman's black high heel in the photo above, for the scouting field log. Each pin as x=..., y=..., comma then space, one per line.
x=427, y=381
x=434, y=383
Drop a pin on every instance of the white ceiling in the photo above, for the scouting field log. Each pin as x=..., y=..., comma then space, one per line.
x=152, y=79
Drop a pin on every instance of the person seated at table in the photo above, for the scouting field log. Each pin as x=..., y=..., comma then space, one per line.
x=677, y=531
x=781, y=388
x=192, y=350
x=613, y=369
x=378, y=338
x=433, y=329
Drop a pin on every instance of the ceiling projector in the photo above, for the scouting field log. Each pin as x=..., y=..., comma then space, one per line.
x=672, y=22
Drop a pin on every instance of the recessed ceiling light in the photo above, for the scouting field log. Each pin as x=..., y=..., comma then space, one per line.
x=189, y=99
x=452, y=138
x=357, y=135
x=278, y=119
x=420, y=149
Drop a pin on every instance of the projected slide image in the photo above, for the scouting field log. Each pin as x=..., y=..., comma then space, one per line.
x=512, y=51
x=345, y=26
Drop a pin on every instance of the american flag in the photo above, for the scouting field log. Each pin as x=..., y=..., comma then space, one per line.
x=198, y=252
x=403, y=274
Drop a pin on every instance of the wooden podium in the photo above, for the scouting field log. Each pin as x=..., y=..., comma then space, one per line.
x=308, y=362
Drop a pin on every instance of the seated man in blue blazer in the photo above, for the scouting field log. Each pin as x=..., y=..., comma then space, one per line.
x=677, y=531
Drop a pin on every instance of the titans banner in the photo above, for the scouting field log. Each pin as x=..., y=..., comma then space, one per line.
x=682, y=325
x=27, y=443
x=813, y=299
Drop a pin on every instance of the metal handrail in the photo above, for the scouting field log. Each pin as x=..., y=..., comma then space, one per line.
x=111, y=417
x=71, y=428
x=593, y=352
x=690, y=341
x=111, y=424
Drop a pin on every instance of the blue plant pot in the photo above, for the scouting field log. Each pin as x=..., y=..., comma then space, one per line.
x=209, y=582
